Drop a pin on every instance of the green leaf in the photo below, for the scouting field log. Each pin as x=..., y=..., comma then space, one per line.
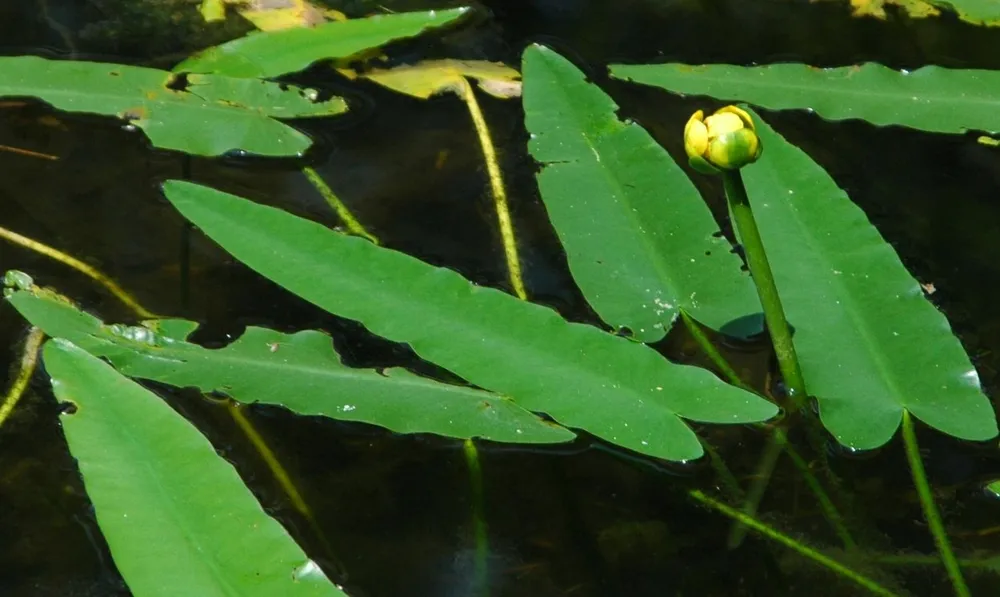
x=869, y=342
x=930, y=98
x=986, y=12
x=300, y=372
x=274, y=53
x=639, y=238
x=617, y=389
x=176, y=516
x=213, y=116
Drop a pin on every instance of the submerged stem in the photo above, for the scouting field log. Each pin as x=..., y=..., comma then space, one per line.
x=85, y=269
x=930, y=508
x=778, y=441
x=800, y=548
x=760, y=270
x=29, y=360
x=481, y=586
x=496, y=185
x=350, y=222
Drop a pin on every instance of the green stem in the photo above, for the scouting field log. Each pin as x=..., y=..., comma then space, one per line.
x=481, y=586
x=791, y=543
x=930, y=508
x=825, y=503
x=777, y=442
x=350, y=222
x=926, y=560
x=760, y=270
x=762, y=476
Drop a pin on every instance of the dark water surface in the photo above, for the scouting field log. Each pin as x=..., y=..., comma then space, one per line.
x=394, y=512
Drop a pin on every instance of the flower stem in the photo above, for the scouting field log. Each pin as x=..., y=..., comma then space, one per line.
x=760, y=270
x=930, y=509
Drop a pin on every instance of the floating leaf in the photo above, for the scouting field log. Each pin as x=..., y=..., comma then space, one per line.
x=929, y=98
x=640, y=240
x=869, y=342
x=617, y=389
x=431, y=77
x=213, y=116
x=300, y=372
x=276, y=53
x=176, y=516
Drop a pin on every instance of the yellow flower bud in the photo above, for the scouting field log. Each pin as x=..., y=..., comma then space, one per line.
x=725, y=140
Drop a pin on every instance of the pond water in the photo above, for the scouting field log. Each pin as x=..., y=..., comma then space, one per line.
x=393, y=513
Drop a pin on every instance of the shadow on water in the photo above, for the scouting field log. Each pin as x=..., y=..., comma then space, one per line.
x=581, y=520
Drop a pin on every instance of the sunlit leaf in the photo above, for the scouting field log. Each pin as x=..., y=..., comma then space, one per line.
x=870, y=343
x=299, y=371
x=918, y=9
x=582, y=377
x=275, y=15
x=929, y=98
x=431, y=77
x=276, y=53
x=212, y=116
x=985, y=12
x=213, y=10
x=640, y=240
x=176, y=516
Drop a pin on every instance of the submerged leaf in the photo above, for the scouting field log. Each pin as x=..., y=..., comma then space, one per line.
x=275, y=15
x=640, y=240
x=617, y=389
x=431, y=77
x=931, y=98
x=869, y=341
x=212, y=116
x=276, y=53
x=177, y=518
x=300, y=372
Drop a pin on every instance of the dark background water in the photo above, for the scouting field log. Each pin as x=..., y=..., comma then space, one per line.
x=395, y=512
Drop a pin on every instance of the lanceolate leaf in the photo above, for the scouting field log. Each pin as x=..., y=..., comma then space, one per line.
x=213, y=116
x=639, y=238
x=870, y=344
x=615, y=388
x=930, y=98
x=299, y=371
x=176, y=516
x=276, y=53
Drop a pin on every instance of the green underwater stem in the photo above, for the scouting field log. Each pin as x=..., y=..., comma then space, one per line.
x=350, y=222
x=481, y=587
x=777, y=443
x=800, y=548
x=930, y=508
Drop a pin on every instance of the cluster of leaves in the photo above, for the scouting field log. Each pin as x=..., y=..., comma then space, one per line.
x=640, y=241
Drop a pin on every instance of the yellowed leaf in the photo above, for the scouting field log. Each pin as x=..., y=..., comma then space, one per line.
x=917, y=9
x=424, y=79
x=275, y=15
x=213, y=10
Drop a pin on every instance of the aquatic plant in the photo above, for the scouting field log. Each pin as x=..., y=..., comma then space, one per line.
x=641, y=243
